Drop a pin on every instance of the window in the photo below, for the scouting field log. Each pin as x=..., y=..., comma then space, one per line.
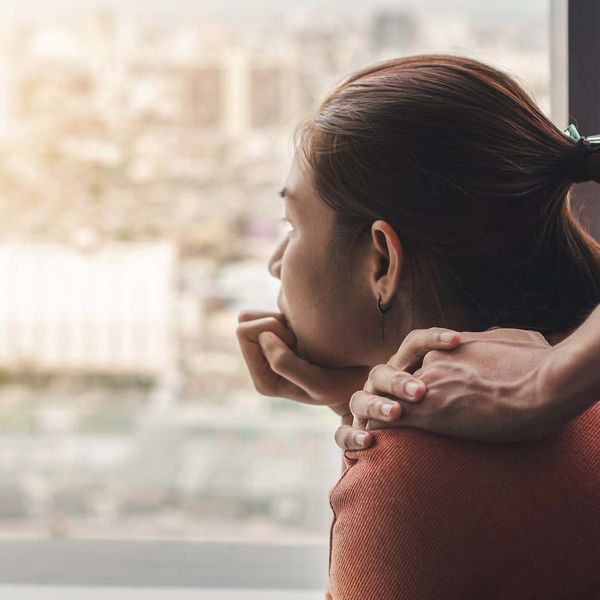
x=142, y=147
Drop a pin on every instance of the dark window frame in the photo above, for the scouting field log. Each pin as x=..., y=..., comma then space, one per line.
x=575, y=85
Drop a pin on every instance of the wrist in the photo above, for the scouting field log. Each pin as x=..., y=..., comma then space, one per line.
x=567, y=381
x=575, y=365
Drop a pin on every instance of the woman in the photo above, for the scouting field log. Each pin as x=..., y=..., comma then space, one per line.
x=431, y=191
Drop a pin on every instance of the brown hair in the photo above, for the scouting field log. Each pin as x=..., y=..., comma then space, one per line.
x=474, y=179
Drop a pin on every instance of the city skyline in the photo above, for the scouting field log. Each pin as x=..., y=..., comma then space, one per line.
x=240, y=10
x=126, y=134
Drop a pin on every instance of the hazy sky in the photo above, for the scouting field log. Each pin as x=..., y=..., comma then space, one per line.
x=479, y=10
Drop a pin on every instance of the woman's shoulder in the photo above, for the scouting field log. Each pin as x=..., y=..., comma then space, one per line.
x=448, y=506
x=424, y=471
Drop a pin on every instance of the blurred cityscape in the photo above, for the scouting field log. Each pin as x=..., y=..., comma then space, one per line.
x=139, y=165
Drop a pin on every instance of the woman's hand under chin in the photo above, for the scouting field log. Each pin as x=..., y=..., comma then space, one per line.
x=276, y=370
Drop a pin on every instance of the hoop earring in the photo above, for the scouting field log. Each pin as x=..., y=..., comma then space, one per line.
x=382, y=310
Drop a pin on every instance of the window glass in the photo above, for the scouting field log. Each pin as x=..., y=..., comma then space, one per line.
x=142, y=145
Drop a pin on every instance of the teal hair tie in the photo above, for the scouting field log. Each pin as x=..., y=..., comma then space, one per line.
x=572, y=131
x=584, y=145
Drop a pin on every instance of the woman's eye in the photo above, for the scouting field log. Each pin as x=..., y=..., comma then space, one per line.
x=286, y=226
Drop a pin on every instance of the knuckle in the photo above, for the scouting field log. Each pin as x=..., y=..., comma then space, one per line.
x=354, y=400
x=373, y=405
x=433, y=335
x=431, y=374
x=337, y=436
x=378, y=405
x=242, y=329
x=433, y=356
x=341, y=436
x=278, y=360
x=397, y=381
x=261, y=388
x=244, y=315
x=401, y=359
x=536, y=336
x=406, y=347
x=412, y=336
x=423, y=337
x=373, y=371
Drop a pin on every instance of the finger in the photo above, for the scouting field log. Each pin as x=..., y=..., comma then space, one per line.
x=250, y=330
x=251, y=315
x=265, y=380
x=289, y=365
x=419, y=342
x=319, y=382
x=371, y=406
x=411, y=416
x=506, y=335
x=351, y=438
x=385, y=379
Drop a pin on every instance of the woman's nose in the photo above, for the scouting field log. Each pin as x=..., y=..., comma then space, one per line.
x=275, y=260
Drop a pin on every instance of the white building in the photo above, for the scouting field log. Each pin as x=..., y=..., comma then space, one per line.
x=5, y=99
x=106, y=310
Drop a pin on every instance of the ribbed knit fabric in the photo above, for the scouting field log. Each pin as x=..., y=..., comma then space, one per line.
x=425, y=516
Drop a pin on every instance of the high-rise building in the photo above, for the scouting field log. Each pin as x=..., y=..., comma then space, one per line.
x=274, y=91
x=203, y=95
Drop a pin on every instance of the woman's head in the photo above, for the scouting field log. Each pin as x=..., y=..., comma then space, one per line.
x=434, y=183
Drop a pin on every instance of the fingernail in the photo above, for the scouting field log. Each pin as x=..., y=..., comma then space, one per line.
x=447, y=336
x=361, y=438
x=412, y=387
x=386, y=409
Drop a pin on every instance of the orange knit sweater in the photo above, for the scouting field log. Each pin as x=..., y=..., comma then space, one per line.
x=425, y=516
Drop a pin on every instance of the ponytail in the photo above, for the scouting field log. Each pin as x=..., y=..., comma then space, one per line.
x=584, y=163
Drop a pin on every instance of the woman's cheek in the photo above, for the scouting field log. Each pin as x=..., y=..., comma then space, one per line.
x=321, y=338
x=316, y=308
x=299, y=297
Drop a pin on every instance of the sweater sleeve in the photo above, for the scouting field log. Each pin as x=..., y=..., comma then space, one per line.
x=420, y=515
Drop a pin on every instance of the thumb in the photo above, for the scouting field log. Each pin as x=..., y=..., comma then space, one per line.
x=418, y=343
x=286, y=363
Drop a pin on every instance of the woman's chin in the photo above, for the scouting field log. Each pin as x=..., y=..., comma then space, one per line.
x=320, y=356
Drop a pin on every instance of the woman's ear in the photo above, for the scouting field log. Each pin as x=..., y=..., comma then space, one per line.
x=387, y=257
